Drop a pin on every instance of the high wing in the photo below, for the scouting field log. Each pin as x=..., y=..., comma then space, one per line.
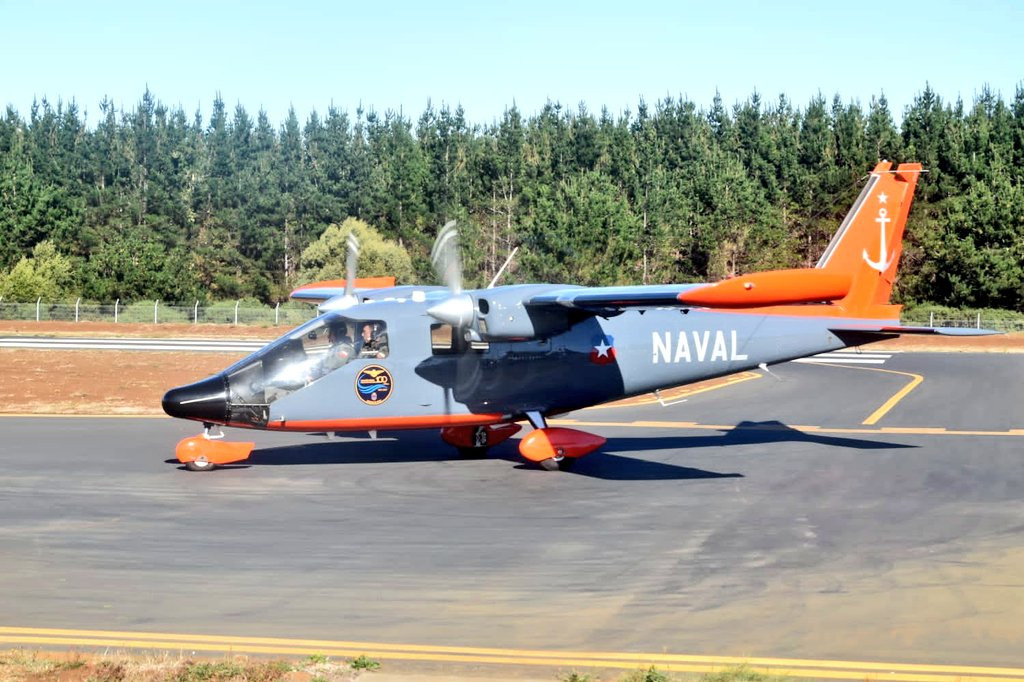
x=771, y=288
x=318, y=292
x=603, y=298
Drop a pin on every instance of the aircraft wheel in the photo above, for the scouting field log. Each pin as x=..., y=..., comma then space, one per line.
x=553, y=464
x=201, y=464
x=473, y=453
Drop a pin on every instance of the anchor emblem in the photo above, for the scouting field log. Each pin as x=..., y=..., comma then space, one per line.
x=883, y=263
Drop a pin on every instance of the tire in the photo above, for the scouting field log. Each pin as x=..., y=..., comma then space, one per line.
x=552, y=464
x=200, y=465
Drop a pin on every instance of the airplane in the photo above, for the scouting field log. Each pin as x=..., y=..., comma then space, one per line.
x=476, y=363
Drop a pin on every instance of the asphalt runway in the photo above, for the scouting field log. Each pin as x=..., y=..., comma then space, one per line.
x=708, y=527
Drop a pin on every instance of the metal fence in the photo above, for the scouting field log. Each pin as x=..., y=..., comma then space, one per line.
x=291, y=314
x=156, y=312
x=977, y=321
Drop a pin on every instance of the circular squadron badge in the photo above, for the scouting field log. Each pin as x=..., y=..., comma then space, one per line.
x=373, y=384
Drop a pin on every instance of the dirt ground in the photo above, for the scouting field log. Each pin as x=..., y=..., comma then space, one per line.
x=133, y=382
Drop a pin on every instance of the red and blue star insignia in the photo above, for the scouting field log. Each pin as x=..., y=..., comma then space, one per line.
x=603, y=352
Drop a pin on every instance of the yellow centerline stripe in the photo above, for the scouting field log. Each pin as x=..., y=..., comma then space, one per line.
x=680, y=662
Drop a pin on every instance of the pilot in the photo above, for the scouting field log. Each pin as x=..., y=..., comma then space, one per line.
x=340, y=351
x=371, y=345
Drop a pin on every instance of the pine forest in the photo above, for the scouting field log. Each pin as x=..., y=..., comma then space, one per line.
x=157, y=203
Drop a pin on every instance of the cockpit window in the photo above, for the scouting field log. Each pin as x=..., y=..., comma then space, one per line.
x=304, y=356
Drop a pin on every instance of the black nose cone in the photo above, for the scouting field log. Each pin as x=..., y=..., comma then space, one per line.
x=205, y=400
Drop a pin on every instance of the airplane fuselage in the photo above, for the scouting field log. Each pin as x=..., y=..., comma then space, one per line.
x=422, y=382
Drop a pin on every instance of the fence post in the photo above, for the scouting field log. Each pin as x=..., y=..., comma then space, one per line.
x=236, y=311
x=155, y=304
x=931, y=319
x=979, y=321
x=277, y=312
x=37, y=307
x=195, y=313
x=116, y=304
x=79, y=300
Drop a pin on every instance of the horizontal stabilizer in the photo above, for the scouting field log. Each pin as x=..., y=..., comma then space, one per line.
x=897, y=329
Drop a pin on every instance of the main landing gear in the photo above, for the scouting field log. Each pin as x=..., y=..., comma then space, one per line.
x=205, y=451
x=553, y=448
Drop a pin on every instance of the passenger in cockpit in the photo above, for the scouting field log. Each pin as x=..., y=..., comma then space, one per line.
x=372, y=343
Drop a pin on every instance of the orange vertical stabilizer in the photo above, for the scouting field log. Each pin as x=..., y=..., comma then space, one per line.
x=870, y=240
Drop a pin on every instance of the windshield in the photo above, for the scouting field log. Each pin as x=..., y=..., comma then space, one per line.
x=301, y=357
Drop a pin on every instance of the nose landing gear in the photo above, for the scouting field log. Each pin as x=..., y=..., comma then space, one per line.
x=205, y=451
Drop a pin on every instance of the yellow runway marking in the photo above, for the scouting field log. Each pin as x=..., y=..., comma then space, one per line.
x=840, y=670
x=915, y=381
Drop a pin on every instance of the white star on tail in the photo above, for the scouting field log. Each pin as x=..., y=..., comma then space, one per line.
x=602, y=349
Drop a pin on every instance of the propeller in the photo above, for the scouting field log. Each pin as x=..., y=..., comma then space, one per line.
x=457, y=308
x=350, y=264
x=446, y=258
x=349, y=298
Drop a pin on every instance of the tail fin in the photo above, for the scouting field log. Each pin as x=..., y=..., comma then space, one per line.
x=870, y=239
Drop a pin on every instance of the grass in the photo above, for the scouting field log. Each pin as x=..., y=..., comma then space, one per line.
x=364, y=663
x=651, y=674
x=741, y=673
x=20, y=665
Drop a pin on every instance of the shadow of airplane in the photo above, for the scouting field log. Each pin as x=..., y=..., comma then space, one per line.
x=609, y=463
x=746, y=433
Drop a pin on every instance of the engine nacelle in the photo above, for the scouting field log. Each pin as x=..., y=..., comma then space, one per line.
x=501, y=315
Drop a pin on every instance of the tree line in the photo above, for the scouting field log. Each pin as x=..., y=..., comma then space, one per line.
x=153, y=203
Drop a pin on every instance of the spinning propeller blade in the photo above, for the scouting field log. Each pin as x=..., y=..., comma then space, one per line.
x=456, y=309
x=350, y=264
x=446, y=257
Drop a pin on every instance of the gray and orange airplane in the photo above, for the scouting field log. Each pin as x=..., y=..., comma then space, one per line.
x=474, y=363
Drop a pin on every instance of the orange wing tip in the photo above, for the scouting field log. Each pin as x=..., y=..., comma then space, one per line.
x=556, y=441
x=775, y=287
x=213, y=451
x=465, y=436
x=361, y=283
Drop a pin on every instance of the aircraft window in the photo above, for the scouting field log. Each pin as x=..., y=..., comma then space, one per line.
x=340, y=347
x=372, y=341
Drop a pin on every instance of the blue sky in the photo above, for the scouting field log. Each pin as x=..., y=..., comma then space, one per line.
x=485, y=56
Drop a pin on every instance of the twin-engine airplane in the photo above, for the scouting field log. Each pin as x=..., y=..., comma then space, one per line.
x=474, y=363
